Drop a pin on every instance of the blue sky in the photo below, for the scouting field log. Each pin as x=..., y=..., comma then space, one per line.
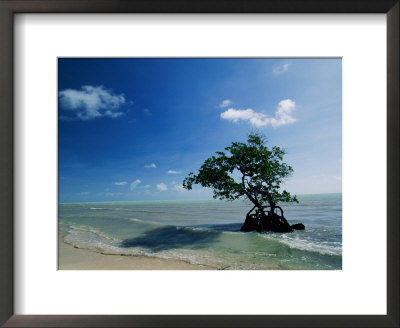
x=132, y=129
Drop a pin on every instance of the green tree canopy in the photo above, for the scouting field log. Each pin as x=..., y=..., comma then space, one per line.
x=249, y=170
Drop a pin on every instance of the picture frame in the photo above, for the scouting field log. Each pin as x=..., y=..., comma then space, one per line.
x=10, y=7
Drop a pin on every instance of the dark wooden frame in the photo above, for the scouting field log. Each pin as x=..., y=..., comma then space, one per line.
x=7, y=10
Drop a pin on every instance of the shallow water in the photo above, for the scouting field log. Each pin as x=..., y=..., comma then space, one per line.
x=207, y=232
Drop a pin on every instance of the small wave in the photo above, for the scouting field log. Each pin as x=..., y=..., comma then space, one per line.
x=154, y=211
x=107, y=208
x=148, y=222
x=307, y=245
x=192, y=229
x=85, y=237
x=223, y=228
x=82, y=231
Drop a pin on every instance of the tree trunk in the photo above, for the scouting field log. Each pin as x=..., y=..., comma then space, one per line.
x=274, y=222
x=272, y=204
x=269, y=221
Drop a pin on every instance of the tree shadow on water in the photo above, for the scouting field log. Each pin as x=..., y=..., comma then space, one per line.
x=170, y=237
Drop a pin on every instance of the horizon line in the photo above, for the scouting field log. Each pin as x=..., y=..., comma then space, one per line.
x=171, y=200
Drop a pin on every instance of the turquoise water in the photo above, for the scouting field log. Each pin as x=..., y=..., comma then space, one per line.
x=207, y=232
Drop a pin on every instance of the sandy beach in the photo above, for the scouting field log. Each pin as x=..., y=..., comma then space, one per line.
x=71, y=258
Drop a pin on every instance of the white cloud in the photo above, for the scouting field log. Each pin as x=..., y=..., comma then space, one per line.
x=147, y=112
x=225, y=103
x=151, y=166
x=135, y=183
x=178, y=187
x=162, y=187
x=282, y=115
x=91, y=102
x=173, y=172
x=83, y=193
x=280, y=69
x=122, y=183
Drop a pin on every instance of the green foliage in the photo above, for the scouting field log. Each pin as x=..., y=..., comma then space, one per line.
x=248, y=169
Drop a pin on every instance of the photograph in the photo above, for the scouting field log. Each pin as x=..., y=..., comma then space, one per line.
x=199, y=163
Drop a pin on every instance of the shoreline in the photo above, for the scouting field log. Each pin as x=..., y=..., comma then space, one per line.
x=72, y=258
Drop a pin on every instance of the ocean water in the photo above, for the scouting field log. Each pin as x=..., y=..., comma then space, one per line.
x=207, y=232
